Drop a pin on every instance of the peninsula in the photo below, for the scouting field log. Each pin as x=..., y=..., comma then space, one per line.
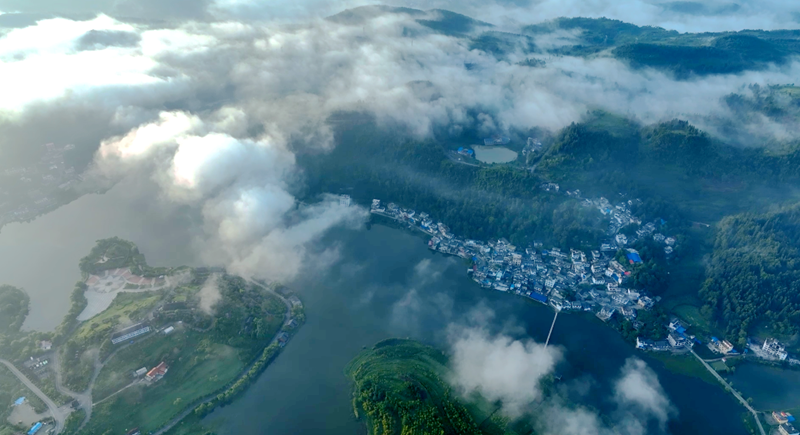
x=143, y=348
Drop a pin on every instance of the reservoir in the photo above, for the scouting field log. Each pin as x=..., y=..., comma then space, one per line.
x=384, y=282
x=493, y=154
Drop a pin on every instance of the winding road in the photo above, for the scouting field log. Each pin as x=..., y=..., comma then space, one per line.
x=58, y=416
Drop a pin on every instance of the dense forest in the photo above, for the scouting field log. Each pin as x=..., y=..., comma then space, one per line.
x=480, y=202
x=753, y=279
x=399, y=388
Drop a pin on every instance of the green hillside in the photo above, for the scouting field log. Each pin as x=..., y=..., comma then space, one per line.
x=399, y=387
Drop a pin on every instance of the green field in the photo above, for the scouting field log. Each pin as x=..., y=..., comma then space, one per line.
x=684, y=365
x=77, y=355
x=197, y=367
x=399, y=388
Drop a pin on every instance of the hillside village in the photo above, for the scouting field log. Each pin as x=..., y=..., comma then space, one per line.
x=564, y=280
x=573, y=281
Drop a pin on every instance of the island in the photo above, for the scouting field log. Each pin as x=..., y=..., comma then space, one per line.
x=142, y=349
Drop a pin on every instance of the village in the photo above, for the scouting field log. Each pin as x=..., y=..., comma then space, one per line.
x=564, y=280
x=572, y=280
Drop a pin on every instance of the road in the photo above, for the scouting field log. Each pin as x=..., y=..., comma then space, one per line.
x=58, y=416
x=85, y=399
x=729, y=388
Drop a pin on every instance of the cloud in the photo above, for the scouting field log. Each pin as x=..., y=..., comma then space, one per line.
x=500, y=368
x=252, y=223
x=209, y=295
x=216, y=108
x=640, y=398
x=641, y=408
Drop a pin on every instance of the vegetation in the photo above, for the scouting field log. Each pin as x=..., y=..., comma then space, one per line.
x=754, y=274
x=685, y=55
x=399, y=389
x=13, y=309
x=74, y=422
x=480, y=202
x=115, y=253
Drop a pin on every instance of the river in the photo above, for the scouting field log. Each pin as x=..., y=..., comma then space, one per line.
x=385, y=283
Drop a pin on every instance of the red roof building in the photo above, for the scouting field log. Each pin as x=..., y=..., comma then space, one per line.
x=157, y=372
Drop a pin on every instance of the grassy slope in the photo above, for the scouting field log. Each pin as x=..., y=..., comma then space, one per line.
x=197, y=367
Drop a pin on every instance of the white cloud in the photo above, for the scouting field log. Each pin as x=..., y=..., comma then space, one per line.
x=501, y=368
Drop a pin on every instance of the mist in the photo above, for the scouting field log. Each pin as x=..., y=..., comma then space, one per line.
x=213, y=102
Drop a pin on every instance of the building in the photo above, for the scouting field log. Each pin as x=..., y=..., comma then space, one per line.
x=168, y=330
x=787, y=429
x=782, y=417
x=45, y=345
x=725, y=346
x=35, y=428
x=140, y=372
x=157, y=372
x=129, y=332
x=774, y=349
x=643, y=344
x=676, y=340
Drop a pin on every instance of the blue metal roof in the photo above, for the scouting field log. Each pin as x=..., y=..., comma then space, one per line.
x=539, y=297
x=634, y=257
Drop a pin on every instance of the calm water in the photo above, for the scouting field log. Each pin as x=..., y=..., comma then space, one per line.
x=386, y=283
x=494, y=154
x=42, y=256
x=380, y=289
x=771, y=388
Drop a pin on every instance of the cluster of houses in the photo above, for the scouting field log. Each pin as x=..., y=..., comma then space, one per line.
x=677, y=339
x=566, y=280
x=621, y=216
x=785, y=423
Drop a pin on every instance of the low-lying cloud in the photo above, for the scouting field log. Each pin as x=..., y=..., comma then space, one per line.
x=501, y=368
x=216, y=108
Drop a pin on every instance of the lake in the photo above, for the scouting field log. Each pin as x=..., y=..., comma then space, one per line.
x=385, y=283
x=494, y=154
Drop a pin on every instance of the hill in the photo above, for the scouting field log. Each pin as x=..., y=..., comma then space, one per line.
x=753, y=279
x=682, y=54
x=399, y=388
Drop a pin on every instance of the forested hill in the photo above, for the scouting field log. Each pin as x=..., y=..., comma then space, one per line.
x=684, y=54
x=400, y=388
x=753, y=279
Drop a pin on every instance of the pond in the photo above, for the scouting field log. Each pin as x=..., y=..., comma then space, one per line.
x=494, y=154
